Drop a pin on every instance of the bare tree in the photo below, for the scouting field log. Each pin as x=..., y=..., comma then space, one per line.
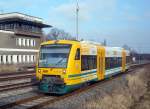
x=58, y=34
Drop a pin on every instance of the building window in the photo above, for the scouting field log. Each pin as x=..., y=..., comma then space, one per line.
x=25, y=42
x=15, y=59
x=34, y=58
x=32, y=42
x=11, y=59
x=20, y=41
x=20, y=60
x=28, y=42
x=31, y=58
x=17, y=41
x=0, y=59
x=1, y=26
x=4, y=59
x=26, y=58
x=11, y=26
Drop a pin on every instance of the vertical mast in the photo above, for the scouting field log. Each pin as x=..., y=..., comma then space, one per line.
x=77, y=19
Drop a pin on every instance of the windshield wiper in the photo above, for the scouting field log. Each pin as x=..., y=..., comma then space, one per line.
x=60, y=61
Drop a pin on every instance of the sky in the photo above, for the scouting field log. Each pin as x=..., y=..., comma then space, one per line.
x=119, y=22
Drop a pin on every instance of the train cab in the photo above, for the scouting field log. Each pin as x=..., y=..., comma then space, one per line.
x=57, y=61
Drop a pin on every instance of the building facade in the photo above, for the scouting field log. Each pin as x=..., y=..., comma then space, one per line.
x=20, y=38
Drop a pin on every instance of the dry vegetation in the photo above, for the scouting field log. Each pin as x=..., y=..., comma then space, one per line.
x=123, y=97
x=8, y=68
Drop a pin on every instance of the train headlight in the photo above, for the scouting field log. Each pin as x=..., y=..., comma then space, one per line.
x=64, y=71
x=39, y=71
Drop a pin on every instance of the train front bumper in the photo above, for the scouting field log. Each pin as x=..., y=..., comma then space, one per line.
x=53, y=89
x=51, y=84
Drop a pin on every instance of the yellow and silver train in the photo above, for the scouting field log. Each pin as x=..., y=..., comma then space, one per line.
x=65, y=65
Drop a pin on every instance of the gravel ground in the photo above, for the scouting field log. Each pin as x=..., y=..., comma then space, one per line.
x=16, y=97
x=32, y=103
x=16, y=92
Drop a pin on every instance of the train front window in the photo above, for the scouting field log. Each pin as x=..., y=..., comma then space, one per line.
x=54, y=56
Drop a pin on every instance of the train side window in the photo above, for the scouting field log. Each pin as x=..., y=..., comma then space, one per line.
x=112, y=62
x=77, y=57
x=88, y=62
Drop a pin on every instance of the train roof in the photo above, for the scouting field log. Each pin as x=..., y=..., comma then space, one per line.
x=84, y=43
x=90, y=42
x=114, y=48
x=60, y=41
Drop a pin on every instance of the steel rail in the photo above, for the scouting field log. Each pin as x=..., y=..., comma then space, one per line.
x=16, y=86
x=9, y=105
x=14, y=77
x=16, y=73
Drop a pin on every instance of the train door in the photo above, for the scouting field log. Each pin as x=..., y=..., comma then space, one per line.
x=101, y=63
x=123, y=61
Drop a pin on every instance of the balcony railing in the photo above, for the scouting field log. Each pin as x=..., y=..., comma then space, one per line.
x=28, y=33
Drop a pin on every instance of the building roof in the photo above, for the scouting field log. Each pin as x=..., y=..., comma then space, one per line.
x=15, y=16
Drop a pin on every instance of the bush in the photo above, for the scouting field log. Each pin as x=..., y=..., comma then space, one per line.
x=137, y=84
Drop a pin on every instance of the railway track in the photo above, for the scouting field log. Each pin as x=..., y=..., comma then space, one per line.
x=21, y=101
x=16, y=86
x=16, y=73
x=8, y=79
x=39, y=101
x=14, y=76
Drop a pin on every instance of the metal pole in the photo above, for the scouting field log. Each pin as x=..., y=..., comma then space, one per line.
x=77, y=19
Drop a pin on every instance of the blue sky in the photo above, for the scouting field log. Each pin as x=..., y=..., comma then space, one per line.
x=118, y=21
